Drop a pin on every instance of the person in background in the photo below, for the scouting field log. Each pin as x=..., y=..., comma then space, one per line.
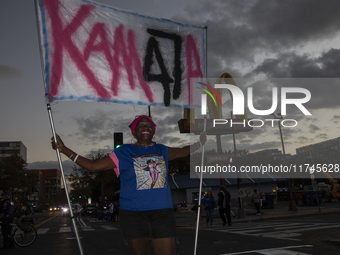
x=209, y=202
x=146, y=210
x=256, y=200
x=116, y=211
x=184, y=205
x=224, y=205
x=6, y=218
x=77, y=209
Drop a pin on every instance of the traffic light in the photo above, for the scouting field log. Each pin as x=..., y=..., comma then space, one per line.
x=117, y=139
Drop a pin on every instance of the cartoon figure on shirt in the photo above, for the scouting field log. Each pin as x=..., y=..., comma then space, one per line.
x=152, y=167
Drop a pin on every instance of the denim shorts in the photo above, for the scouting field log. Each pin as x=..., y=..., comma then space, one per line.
x=153, y=224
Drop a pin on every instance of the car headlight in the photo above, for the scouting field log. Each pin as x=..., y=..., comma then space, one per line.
x=65, y=209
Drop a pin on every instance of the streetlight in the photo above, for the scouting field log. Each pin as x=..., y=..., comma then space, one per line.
x=292, y=204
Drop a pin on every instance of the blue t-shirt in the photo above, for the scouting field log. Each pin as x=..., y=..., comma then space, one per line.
x=143, y=173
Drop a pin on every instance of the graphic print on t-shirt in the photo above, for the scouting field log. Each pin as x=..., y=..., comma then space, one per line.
x=150, y=171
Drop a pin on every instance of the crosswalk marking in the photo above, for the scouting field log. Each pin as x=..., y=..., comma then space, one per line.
x=275, y=251
x=41, y=231
x=306, y=229
x=289, y=227
x=278, y=230
x=94, y=220
x=65, y=229
x=108, y=227
x=87, y=228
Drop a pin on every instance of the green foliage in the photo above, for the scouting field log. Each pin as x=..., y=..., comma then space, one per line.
x=179, y=166
x=13, y=173
x=94, y=185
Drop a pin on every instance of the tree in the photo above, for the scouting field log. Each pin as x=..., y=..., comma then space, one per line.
x=13, y=173
x=87, y=184
x=180, y=166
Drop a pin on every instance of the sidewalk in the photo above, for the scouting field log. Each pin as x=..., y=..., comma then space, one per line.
x=280, y=211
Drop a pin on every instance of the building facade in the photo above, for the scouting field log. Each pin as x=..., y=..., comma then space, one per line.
x=326, y=151
x=183, y=187
x=11, y=148
x=273, y=154
x=49, y=186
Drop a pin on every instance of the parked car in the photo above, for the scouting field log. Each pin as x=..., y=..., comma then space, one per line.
x=88, y=209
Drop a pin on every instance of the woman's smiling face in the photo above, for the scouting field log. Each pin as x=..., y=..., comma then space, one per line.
x=144, y=131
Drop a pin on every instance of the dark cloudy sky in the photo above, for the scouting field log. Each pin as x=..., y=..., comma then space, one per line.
x=282, y=39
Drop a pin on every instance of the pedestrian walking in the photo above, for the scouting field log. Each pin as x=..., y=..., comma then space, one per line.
x=77, y=209
x=224, y=205
x=146, y=209
x=256, y=200
x=209, y=202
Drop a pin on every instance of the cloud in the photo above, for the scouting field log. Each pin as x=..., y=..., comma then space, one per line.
x=336, y=119
x=320, y=75
x=321, y=136
x=239, y=32
x=292, y=65
x=98, y=127
x=313, y=128
x=260, y=38
x=304, y=140
x=7, y=71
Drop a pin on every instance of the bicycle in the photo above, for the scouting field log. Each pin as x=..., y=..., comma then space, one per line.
x=23, y=232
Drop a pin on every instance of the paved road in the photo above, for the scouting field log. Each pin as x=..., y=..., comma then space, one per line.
x=297, y=234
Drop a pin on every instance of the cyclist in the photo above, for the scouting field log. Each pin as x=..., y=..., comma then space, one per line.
x=6, y=217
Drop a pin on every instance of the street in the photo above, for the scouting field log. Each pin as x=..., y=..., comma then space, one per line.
x=303, y=235
x=306, y=235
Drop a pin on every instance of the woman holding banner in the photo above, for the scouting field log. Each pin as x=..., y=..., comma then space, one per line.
x=146, y=210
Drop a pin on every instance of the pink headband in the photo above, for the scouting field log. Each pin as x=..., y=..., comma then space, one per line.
x=135, y=121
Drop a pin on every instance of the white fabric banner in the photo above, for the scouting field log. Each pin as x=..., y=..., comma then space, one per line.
x=95, y=52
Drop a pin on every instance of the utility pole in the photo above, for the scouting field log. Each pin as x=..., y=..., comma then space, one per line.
x=292, y=204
